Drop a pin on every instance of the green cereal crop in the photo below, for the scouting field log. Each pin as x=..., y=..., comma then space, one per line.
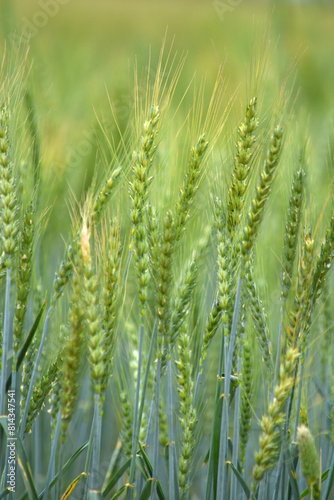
x=163, y=360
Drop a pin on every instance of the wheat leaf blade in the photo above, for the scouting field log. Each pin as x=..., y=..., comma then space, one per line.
x=240, y=479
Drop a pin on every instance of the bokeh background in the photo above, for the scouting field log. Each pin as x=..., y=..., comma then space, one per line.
x=80, y=48
x=83, y=55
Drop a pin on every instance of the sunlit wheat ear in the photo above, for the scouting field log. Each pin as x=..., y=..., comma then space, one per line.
x=312, y=279
x=260, y=319
x=190, y=186
x=291, y=233
x=300, y=303
x=309, y=460
x=181, y=301
x=98, y=205
x=104, y=195
x=187, y=412
x=241, y=171
x=326, y=329
x=165, y=279
x=324, y=262
x=173, y=228
x=181, y=296
x=153, y=241
x=92, y=316
x=246, y=399
x=65, y=270
x=8, y=201
x=163, y=424
x=271, y=424
x=127, y=424
x=220, y=310
x=262, y=191
x=142, y=162
x=110, y=298
x=23, y=275
x=42, y=390
x=319, y=275
x=73, y=348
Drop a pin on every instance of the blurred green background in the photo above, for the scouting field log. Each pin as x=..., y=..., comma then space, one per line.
x=81, y=47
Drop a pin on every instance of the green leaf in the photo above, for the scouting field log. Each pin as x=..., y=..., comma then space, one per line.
x=71, y=487
x=4, y=493
x=142, y=467
x=148, y=464
x=241, y=480
x=113, y=464
x=146, y=460
x=214, y=450
x=116, y=477
x=145, y=494
x=206, y=458
x=27, y=343
x=330, y=482
x=23, y=463
x=120, y=491
x=230, y=446
x=64, y=469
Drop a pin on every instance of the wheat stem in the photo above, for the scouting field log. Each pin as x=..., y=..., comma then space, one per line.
x=52, y=457
x=5, y=343
x=141, y=408
x=171, y=444
x=96, y=452
x=34, y=372
x=156, y=439
x=136, y=424
x=234, y=484
x=222, y=468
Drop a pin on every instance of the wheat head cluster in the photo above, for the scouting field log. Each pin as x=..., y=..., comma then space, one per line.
x=155, y=366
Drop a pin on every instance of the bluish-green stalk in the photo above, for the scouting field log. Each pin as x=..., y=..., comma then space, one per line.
x=222, y=483
x=156, y=439
x=172, y=487
x=234, y=493
x=52, y=457
x=35, y=371
x=141, y=408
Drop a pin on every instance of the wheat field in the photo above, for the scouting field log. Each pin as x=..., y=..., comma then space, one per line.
x=167, y=237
